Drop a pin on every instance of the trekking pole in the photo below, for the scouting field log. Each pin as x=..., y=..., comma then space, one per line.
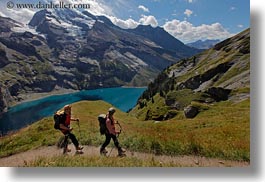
x=79, y=129
x=111, y=151
x=113, y=146
x=117, y=136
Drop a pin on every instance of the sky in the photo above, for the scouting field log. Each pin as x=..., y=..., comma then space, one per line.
x=186, y=20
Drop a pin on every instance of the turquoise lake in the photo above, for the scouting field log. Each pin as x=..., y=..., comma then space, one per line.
x=27, y=113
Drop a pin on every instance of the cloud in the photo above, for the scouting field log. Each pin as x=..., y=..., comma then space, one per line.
x=240, y=26
x=126, y=24
x=188, y=12
x=130, y=23
x=20, y=15
x=24, y=15
x=148, y=20
x=97, y=7
x=143, y=8
x=190, y=1
x=232, y=8
x=187, y=32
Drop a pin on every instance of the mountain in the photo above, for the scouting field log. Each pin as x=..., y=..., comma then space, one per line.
x=217, y=74
x=164, y=39
x=67, y=49
x=203, y=44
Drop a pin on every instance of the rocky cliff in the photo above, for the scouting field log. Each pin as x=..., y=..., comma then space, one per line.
x=218, y=74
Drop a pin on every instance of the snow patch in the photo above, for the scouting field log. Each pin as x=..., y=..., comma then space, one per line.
x=26, y=28
x=137, y=61
x=89, y=61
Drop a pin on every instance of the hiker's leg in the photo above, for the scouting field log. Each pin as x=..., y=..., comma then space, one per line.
x=116, y=142
x=65, y=141
x=74, y=140
x=107, y=141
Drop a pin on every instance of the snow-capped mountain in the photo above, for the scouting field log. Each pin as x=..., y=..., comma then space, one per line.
x=78, y=50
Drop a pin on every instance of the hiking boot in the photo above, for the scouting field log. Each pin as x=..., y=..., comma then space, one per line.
x=121, y=154
x=121, y=150
x=79, y=148
x=79, y=152
x=65, y=151
x=103, y=151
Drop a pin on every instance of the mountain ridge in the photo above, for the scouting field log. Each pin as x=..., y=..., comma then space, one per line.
x=77, y=51
x=203, y=44
x=218, y=74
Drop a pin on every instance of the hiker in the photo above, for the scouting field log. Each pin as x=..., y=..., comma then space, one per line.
x=66, y=130
x=111, y=134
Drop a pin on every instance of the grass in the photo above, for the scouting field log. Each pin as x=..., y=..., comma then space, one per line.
x=211, y=59
x=157, y=108
x=221, y=130
x=98, y=161
x=235, y=70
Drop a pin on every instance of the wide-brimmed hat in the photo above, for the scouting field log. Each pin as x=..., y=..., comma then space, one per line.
x=111, y=110
x=67, y=107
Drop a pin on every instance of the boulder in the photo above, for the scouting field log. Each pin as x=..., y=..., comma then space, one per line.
x=218, y=94
x=191, y=111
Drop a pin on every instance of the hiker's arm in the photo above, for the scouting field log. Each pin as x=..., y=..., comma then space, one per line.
x=75, y=119
x=65, y=128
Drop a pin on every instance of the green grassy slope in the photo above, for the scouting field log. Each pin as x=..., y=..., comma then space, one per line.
x=222, y=131
x=220, y=73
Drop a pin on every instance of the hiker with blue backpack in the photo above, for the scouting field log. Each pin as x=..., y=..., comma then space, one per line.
x=62, y=122
x=110, y=133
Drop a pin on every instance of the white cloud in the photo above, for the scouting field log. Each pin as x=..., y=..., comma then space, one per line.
x=130, y=23
x=188, y=12
x=25, y=15
x=126, y=24
x=240, y=26
x=145, y=9
x=190, y=1
x=96, y=7
x=148, y=20
x=232, y=8
x=20, y=15
x=187, y=32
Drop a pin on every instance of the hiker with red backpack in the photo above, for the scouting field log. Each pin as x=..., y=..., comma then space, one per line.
x=111, y=133
x=62, y=122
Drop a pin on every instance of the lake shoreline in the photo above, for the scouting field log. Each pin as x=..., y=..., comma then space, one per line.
x=28, y=97
x=36, y=106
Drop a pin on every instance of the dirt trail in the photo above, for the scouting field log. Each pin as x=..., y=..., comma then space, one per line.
x=23, y=158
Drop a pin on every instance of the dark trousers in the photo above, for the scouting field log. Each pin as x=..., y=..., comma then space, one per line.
x=107, y=141
x=72, y=137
